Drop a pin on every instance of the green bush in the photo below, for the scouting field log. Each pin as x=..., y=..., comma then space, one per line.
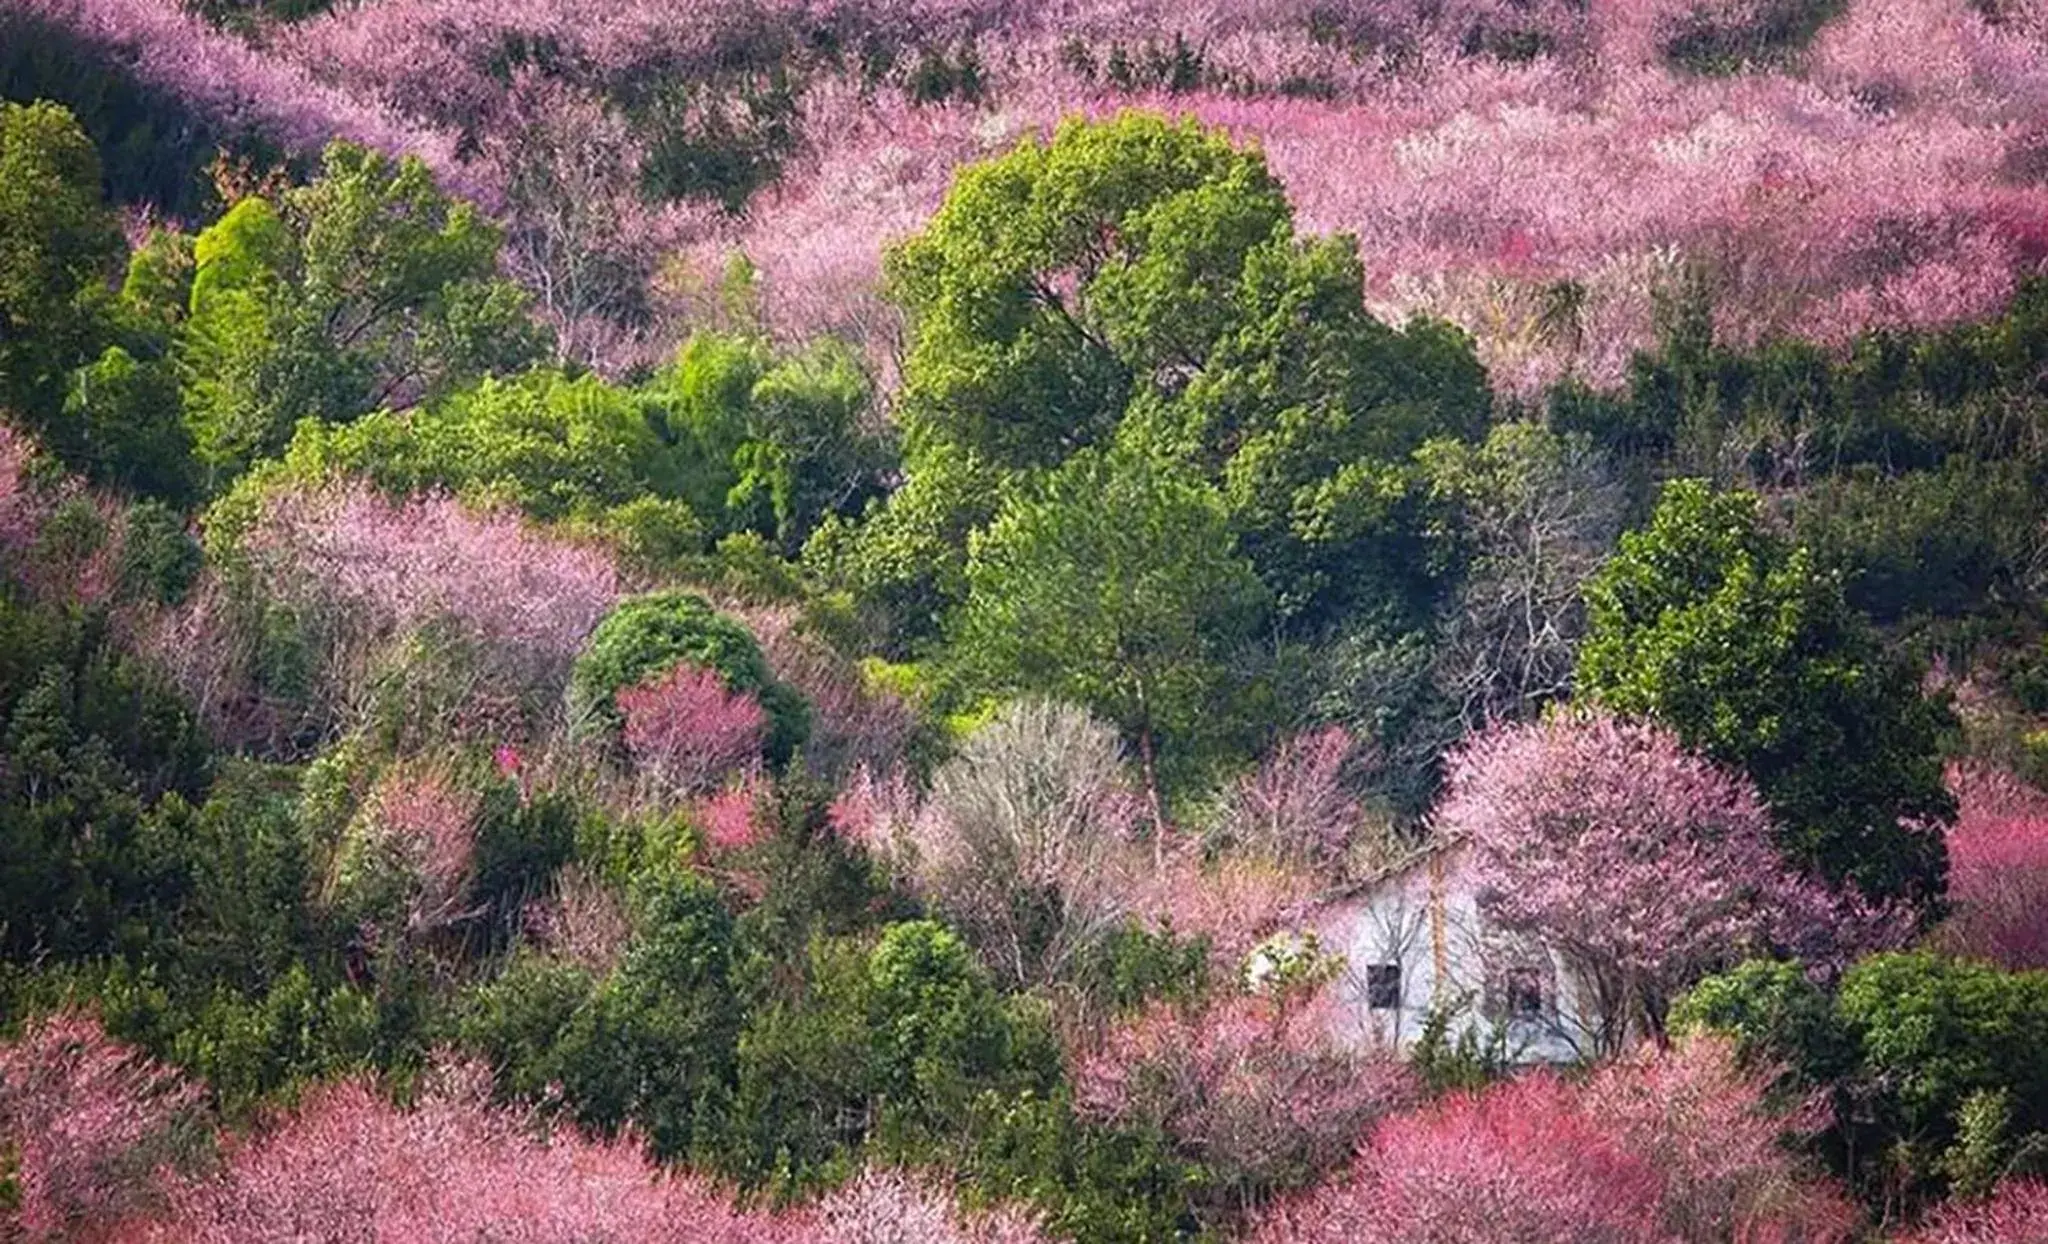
x=649, y=635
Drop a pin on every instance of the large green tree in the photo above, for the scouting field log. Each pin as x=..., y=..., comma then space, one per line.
x=1709, y=622
x=1139, y=282
x=367, y=287
x=1115, y=583
x=59, y=250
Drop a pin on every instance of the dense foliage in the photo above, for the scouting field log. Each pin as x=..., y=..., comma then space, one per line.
x=514, y=712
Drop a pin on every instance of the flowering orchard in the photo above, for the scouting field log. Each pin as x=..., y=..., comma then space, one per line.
x=1535, y=173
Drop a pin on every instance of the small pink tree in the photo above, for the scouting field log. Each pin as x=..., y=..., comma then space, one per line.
x=1998, y=870
x=410, y=851
x=2017, y=1213
x=894, y=1207
x=1642, y=865
x=1259, y=1093
x=686, y=732
x=88, y=1119
x=1704, y=1124
x=1296, y=807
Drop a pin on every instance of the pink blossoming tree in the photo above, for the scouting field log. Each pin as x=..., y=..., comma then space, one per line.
x=1998, y=870
x=1642, y=865
x=686, y=732
x=88, y=1120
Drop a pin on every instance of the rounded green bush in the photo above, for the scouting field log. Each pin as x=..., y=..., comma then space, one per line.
x=649, y=635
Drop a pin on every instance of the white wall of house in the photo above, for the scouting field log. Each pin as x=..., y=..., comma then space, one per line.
x=1416, y=940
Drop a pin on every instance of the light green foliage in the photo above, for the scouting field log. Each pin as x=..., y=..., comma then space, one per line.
x=1729, y=635
x=1057, y=279
x=1939, y=1034
x=774, y=443
x=649, y=635
x=367, y=287
x=58, y=248
x=1115, y=583
x=906, y=564
x=553, y=445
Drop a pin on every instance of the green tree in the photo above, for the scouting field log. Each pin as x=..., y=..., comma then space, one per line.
x=649, y=635
x=1115, y=583
x=1937, y=1036
x=59, y=249
x=1728, y=634
x=655, y=1045
x=1139, y=281
x=367, y=287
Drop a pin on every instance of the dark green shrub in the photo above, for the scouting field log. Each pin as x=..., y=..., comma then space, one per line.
x=649, y=635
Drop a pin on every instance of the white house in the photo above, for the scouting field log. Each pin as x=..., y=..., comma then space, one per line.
x=1414, y=939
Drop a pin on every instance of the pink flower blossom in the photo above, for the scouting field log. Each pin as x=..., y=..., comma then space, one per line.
x=731, y=819
x=2017, y=1213
x=347, y=1164
x=1642, y=865
x=1998, y=870
x=87, y=1118
x=686, y=732
x=1260, y=1093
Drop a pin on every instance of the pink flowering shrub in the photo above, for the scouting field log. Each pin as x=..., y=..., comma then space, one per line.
x=1516, y=1162
x=854, y=724
x=409, y=852
x=1723, y=1158
x=1998, y=870
x=685, y=731
x=1642, y=865
x=348, y=1165
x=88, y=1120
x=1262, y=1094
x=894, y=1207
x=458, y=622
x=1666, y=1148
x=731, y=819
x=2017, y=1213
x=1296, y=807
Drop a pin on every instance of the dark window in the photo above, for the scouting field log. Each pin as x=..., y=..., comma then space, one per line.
x=1383, y=986
x=1516, y=992
x=1524, y=994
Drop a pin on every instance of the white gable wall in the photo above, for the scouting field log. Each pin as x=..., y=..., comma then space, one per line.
x=1426, y=920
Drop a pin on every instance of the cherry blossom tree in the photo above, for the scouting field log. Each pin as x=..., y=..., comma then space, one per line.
x=2017, y=1212
x=686, y=732
x=470, y=620
x=1516, y=1162
x=1261, y=1094
x=1298, y=806
x=1721, y=1148
x=1998, y=870
x=1643, y=866
x=880, y=1206
x=89, y=1121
